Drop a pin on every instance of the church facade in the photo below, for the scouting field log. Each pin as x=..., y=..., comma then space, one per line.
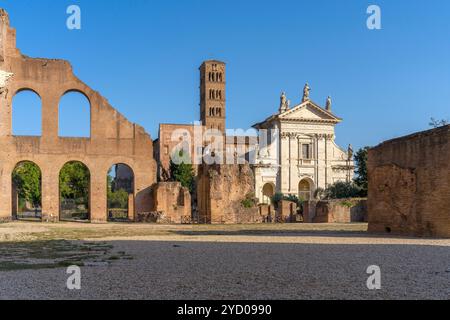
x=297, y=151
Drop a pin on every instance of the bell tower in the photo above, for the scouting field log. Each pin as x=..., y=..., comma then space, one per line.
x=212, y=95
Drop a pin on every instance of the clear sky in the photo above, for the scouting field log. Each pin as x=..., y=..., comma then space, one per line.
x=143, y=56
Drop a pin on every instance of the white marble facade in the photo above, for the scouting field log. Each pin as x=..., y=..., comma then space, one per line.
x=300, y=153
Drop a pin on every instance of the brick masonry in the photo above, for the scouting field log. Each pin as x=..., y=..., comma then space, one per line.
x=113, y=138
x=409, y=185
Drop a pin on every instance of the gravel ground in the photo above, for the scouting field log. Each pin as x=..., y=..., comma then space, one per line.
x=269, y=264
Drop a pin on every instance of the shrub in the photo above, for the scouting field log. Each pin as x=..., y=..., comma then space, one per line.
x=249, y=201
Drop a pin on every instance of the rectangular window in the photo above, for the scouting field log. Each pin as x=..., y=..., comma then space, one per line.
x=306, y=151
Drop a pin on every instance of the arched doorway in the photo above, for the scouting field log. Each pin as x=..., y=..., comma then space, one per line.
x=26, y=191
x=120, y=193
x=305, y=190
x=74, y=189
x=268, y=192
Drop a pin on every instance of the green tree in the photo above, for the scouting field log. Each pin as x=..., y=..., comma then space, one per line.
x=182, y=171
x=118, y=199
x=342, y=190
x=361, y=179
x=276, y=198
x=74, y=181
x=27, y=179
x=294, y=198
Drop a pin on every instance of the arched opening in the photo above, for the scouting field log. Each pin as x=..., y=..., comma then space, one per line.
x=26, y=191
x=120, y=193
x=26, y=114
x=74, y=115
x=74, y=189
x=268, y=192
x=305, y=190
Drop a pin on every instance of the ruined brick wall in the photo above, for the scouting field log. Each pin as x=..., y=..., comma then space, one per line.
x=171, y=137
x=173, y=201
x=113, y=138
x=409, y=185
x=340, y=211
x=309, y=211
x=220, y=192
x=287, y=210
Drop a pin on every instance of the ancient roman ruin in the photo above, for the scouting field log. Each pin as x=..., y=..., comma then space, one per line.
x=113, y=139
x=409, y=185
x=236, y=175
x=304, y=159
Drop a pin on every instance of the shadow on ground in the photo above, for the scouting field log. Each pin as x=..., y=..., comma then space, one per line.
x=50, y=254
x=277, y=233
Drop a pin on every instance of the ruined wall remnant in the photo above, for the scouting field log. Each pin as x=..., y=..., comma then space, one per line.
x=172, y=202
x=113, y=138
x=409, y=185
x=221, y=190
x=340, y=211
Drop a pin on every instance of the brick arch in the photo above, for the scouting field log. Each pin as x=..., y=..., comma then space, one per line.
x=26, y=88
x=76, y=90
x=74, y=159
x=14, y=195
x=123, y=162
x=22, y=160
x=89, y=200
x=131, y=197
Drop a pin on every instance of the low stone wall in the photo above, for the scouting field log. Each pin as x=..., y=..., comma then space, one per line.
x=336, y=211
x=287, y=211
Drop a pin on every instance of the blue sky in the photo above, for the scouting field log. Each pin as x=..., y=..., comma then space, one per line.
x=143, y=56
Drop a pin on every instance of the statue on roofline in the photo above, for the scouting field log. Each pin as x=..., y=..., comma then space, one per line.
x=328, y=104
x=306, y=91
x=350, y=152
x=284, y=103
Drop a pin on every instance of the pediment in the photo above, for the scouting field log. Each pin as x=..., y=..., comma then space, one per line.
x=308, y=111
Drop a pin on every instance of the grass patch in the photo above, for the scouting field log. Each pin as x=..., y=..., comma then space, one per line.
x=54, y=254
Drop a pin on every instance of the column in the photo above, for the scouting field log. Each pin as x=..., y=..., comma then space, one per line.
x=50, y=194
